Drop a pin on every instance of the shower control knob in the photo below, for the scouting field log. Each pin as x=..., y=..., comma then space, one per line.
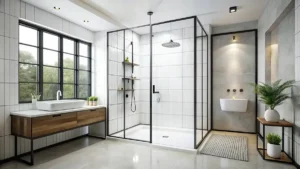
x=234, y=90
x=241, y=90
x=228, y=90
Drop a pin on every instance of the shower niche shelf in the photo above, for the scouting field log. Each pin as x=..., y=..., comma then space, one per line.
x=129, y=78
x=126, y=90
x=130, y=64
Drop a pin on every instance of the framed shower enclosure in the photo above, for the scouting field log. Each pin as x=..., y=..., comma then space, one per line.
x=157, y=83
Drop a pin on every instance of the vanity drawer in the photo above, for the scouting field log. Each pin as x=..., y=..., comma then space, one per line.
x=46, y=125
x=90, y=116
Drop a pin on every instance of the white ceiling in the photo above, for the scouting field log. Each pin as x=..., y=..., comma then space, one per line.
x=74, y=13
x=113, y=14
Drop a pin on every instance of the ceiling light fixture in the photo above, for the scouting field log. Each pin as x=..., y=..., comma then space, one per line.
x=232, y=9
x=86, y=21
x=57, y=8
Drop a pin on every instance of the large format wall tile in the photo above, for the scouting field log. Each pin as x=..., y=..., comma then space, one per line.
x=234, y=68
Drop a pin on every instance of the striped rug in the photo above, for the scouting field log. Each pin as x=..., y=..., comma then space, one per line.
x=232, y=147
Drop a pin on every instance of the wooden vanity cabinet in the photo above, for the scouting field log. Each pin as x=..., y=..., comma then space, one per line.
x=46, y=125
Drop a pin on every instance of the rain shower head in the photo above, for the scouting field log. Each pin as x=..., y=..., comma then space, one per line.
x=171, y=44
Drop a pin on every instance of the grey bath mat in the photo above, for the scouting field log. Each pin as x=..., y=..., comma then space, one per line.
x=233, y=147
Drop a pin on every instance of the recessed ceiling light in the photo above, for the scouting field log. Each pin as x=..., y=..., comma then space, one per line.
x=86, y=21
x=57, y=8
x=232, y=9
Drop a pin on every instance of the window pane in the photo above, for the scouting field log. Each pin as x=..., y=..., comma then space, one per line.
x=83, y=77
x=83, y=91
x=83, y=49
x=50, y=58
x=49, y=91
x=68, y=76
x=68, y=61
x=27, y=73
x=28, y=54
x=68, y=91
x=25, y=90
x=50, y=74
x=28, y=36
x=83, y=63
x=50, y=41
x=68, y=46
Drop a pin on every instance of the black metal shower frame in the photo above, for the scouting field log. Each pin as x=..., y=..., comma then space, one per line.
x=196, y=21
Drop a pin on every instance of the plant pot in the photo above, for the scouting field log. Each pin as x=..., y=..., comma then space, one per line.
x=34, y=103
x=87, y=103
x=273, y=150
x=90, y=103
x=272, y=115
x=94, y=103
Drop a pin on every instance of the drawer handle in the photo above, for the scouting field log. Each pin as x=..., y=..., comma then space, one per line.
x=57, y=115
x=93, y=109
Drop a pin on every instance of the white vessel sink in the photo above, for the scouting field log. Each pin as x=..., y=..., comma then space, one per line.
x=56, y=105
x=234, y=105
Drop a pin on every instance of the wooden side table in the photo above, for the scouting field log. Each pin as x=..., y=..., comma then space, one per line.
x=284, y=157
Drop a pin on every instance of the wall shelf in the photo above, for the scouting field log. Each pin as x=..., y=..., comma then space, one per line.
x=284, y=157
x=129, y=78
x=126, y=90
x=130, y=63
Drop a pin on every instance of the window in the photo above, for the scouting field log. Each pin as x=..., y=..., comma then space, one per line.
x=49, y=61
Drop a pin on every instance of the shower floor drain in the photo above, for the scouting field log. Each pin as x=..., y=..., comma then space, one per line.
x=165, y=136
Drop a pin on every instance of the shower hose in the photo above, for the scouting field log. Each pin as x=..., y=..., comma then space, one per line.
x=133, y=108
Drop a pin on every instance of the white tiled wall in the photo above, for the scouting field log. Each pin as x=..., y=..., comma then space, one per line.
x=10, y=12
x=115, y=75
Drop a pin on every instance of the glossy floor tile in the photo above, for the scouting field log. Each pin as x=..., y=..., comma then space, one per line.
x=92, y=153
x=164, y=136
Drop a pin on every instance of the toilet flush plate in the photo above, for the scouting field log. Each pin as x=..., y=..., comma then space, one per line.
x=234, y=105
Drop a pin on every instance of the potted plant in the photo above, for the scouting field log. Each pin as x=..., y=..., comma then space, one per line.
x=87, y=101
x=95, y=101
x=272, y=95
x=273, y=146
x=34, y=99
x=91, y=99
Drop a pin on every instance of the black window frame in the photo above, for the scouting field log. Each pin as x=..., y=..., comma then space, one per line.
x=40, y=47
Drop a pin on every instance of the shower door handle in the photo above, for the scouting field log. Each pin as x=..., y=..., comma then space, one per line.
x=154, y=90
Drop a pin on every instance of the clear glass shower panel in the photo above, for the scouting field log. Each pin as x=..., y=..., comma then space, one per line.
x=173, y=83
x=115, y=83
x=137, y=84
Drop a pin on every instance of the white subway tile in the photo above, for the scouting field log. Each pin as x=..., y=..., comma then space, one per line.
x=7, y=6
x=7, y=49
x=7, y=25
x=2, y=122
x=29, y=12
x=175, y=83
x=2, y=70
x=113, y=112
x=188, y=96
x=112, y=97
x=188, y=83
x=2, y=6
x=2, y=46
x=188, y=71
x=2, y=24
x=188, y=108
x=113, y=126
x=13, y=27
x=2, y=99
x=6, y=71
x=13, y=71
x=188, y=122
x=23, y=10
x=7, y=120
x=17, y=8
x=14, y=48
x=12, y=7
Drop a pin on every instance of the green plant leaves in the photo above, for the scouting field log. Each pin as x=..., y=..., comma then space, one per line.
x=273, y=138
x=272, y=94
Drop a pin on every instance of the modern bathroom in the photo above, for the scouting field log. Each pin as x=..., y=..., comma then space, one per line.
x=149, y=84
